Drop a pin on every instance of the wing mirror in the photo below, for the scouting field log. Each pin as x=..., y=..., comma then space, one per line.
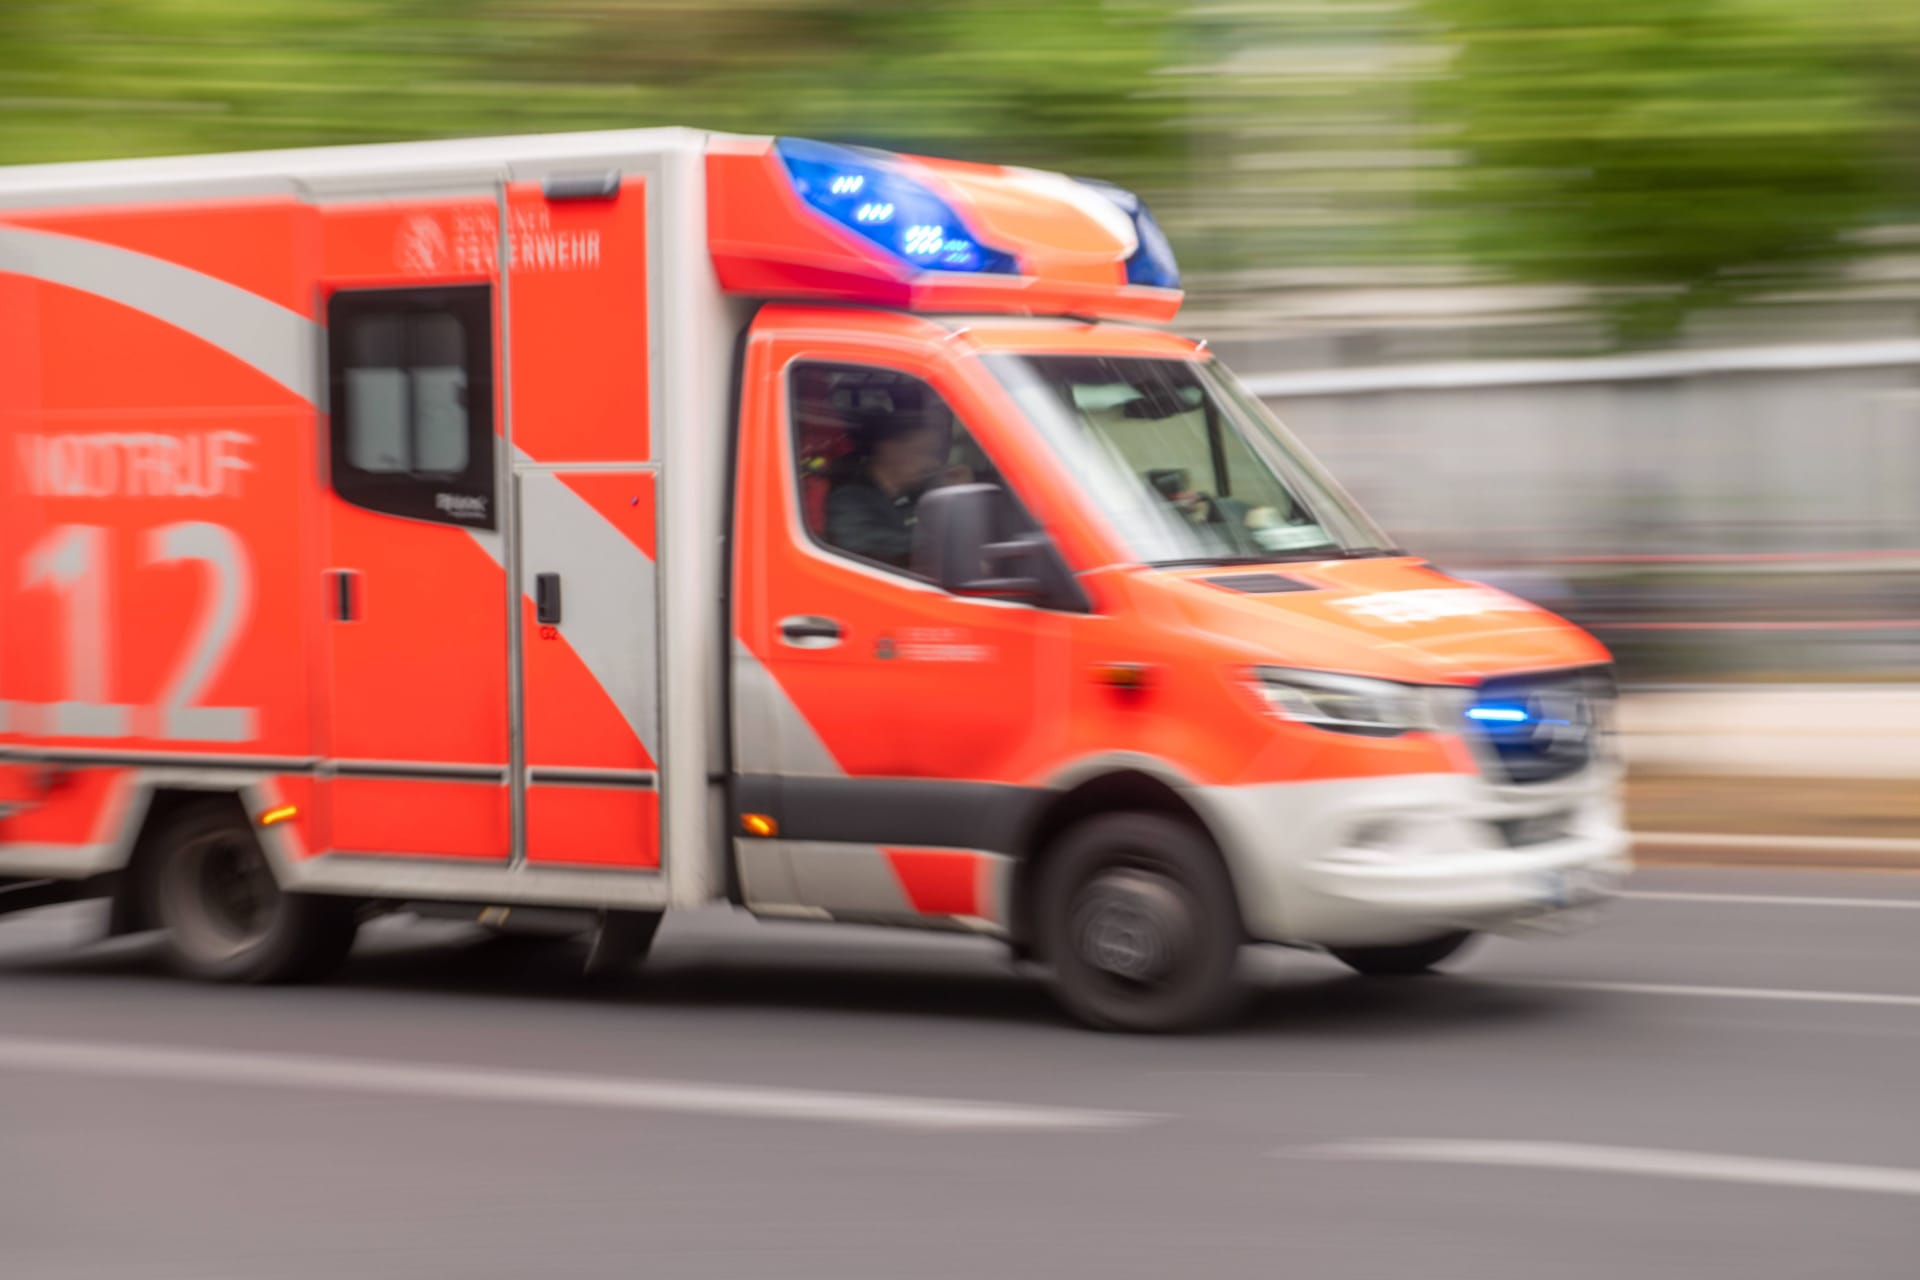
x=963, y=543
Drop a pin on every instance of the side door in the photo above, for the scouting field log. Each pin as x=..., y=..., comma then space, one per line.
x=886, y=731
x=417, y=679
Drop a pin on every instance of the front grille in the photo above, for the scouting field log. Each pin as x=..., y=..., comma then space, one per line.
x=1536, y=728
x=1545, y=828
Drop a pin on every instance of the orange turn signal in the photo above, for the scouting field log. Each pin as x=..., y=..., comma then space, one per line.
x=277, y=815
x=1123, y=675
x=759, y=824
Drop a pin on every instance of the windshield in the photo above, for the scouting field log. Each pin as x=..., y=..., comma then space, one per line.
x=1185, y=463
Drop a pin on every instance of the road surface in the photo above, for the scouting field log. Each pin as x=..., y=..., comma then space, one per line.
x=1722, y=1078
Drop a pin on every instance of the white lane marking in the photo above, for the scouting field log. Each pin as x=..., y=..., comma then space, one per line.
x=1727, y=993
x=1773, y=900
x=1649, y=1162
x=302, y=1071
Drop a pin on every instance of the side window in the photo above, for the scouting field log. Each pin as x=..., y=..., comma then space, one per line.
x=868, y=443
x=410, y=373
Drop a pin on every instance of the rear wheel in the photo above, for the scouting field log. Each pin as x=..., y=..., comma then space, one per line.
x=226, y=917
x=1402, y=961
x=1138, y=922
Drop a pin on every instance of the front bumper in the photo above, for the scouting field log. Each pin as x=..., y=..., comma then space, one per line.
x=1384, y=861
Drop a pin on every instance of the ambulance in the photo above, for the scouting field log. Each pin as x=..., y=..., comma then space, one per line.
x=579, y=527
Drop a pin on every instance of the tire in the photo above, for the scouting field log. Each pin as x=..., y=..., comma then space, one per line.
x=226, y=919
x=1403, y=961
x=1138, y=924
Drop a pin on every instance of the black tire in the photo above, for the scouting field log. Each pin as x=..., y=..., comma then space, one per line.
x=1405, y=961
x=225, y=917
x=1138, y=924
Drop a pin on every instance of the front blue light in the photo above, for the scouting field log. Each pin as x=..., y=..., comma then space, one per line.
x=1153, y=262
x=1497, y=715
x=868, y=196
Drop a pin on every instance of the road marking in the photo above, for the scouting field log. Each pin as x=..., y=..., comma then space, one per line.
x=1580, y=1157
x=472, y=1084
x=1773, y=900
x=1728, y=993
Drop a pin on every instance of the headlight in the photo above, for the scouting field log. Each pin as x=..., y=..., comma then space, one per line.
x=1350, y=704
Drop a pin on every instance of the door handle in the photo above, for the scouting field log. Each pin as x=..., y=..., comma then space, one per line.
x=346, y=595
x=546, y=599
x=811, y=632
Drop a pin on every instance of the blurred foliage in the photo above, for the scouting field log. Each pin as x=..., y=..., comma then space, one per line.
x=1061, y=82
x=1676, y=153
x=1690, y=151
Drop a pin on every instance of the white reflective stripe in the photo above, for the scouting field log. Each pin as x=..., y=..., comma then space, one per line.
x=276, y=341
x=608, y=619
x=846, y=879
x=770, y=733
x=1581, y=1157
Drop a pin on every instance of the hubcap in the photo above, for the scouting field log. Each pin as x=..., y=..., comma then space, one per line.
x=235, y=891
x=1132, y=925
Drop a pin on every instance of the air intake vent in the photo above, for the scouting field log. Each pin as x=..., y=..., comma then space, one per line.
x=1261, y=584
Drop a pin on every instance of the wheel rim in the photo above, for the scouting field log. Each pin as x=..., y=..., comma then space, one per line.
x=226, y=894
x=1132, y=926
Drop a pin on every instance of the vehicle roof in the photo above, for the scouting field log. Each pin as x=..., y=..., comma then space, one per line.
x=1066, y=335
x=442, y=162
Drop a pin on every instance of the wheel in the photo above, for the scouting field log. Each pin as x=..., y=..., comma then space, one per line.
x=225, y=916
x=1138, y=923
x=1402, y=961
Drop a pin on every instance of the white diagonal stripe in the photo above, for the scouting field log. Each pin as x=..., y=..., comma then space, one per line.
x=1652, y=1162
x=475, y=1084
x=279, y=342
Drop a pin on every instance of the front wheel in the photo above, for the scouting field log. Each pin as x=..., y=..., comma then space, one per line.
x=225, y=916
x=1402, y=961
x=1138, y=922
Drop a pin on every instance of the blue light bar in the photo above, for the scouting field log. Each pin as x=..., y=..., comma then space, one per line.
x=1153, y=262
x=1497, y=715
x=865, y=193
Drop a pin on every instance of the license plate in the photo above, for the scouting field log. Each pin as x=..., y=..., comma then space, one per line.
x=1554, y=888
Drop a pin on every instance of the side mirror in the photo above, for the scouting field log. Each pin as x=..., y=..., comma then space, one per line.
x=959, y=543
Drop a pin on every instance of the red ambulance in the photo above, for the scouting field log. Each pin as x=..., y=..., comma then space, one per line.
x=614, y=522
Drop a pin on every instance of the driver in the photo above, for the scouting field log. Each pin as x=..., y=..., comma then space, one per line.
x=871, y=515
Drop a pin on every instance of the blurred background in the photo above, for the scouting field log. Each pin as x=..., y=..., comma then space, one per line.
x=1615, y=303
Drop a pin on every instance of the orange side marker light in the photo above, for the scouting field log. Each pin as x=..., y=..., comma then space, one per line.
x=1123, y=675
x=279, y=814
x=759, y=824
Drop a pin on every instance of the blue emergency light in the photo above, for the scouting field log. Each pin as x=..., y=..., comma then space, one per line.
x=1153, y=262
x=865, y=194
x=1498, y=715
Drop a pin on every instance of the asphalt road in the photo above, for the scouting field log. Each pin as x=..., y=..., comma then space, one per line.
x=1699, y=1086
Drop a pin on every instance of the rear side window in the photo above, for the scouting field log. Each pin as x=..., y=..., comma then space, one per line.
x=411, y=378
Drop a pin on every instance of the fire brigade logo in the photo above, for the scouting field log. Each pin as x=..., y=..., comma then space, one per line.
x=421, y=246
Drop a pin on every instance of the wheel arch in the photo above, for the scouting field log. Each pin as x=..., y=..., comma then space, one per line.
x=1120, y=785
x=156, y=805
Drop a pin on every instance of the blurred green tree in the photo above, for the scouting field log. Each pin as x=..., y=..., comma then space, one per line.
x=1681, y=153
x=1064, y=83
